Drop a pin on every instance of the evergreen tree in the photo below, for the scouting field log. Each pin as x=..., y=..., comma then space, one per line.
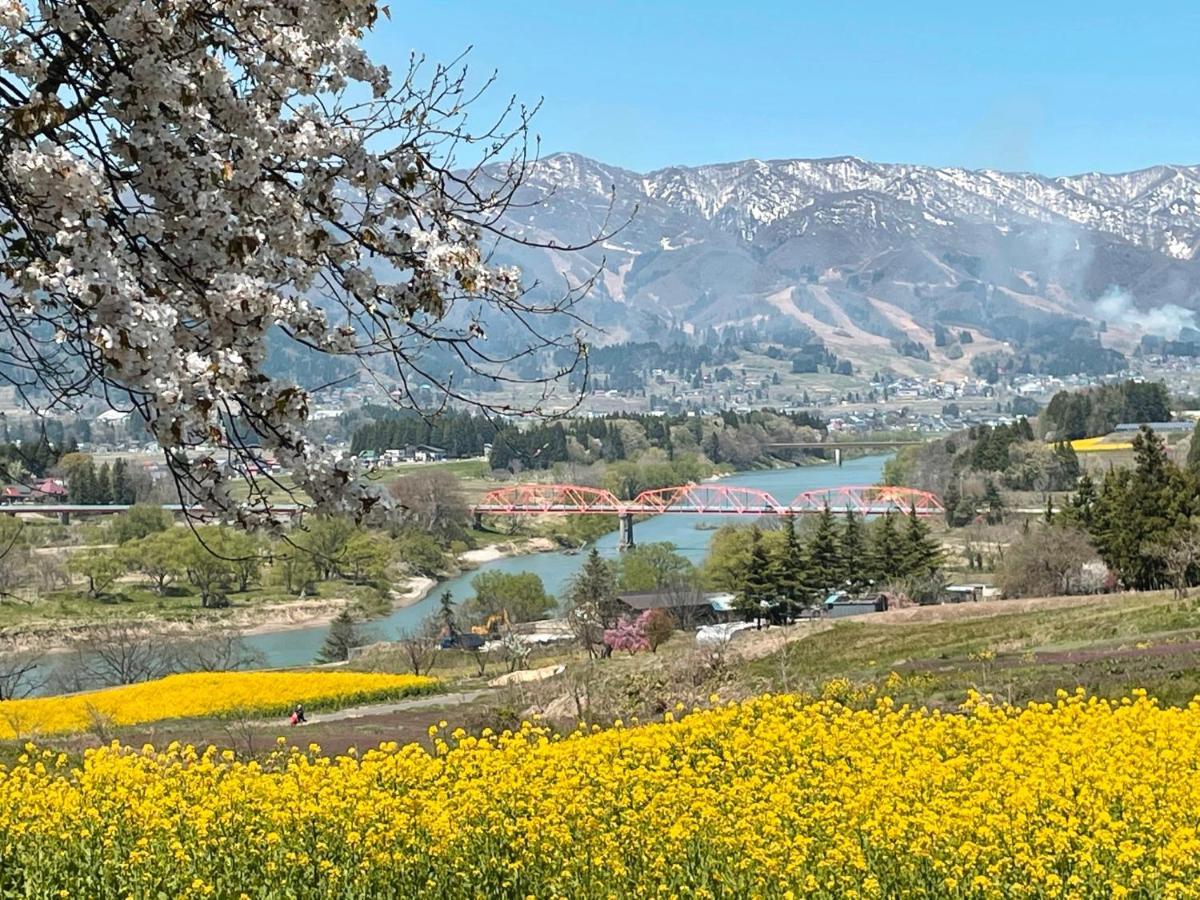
x=618, y=444
x=446, y=613
x=342, y=638
x=104, y=485
x=855, y=566
x=1069, y=469
x=922, y=554
x=887, y=549
x=1082, y=505
x=825, y=553
x=1193, y=456
x=789, y=570
x=594, y=590
x=951, y=499
x=1138, y=510
x=966, y=509
x=756, y=579
x=82, y=488
x=1150, y=457
x=40, y=457
x=993, y=503
x=122, y=487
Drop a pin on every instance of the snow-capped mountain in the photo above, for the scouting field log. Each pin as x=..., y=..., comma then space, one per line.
x=1158, y=208
x=869, y=254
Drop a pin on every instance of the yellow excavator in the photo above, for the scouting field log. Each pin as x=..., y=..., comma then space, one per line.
x=493, y=625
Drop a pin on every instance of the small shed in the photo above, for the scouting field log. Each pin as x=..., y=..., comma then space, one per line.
x=840, y=604
x=965, y=593
x=429, y=453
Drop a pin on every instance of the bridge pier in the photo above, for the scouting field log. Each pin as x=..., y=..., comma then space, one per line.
x=64, y=517
x=625, y=527
x=837, y=456
x=476, y=519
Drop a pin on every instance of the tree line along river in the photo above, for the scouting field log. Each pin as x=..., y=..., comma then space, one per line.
x=299, y=646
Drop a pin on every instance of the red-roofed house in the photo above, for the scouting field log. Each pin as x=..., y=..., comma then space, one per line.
x=49, y=490
x=14, y=493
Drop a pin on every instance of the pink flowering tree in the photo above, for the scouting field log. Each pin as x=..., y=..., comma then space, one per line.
x=656, y=625
x=180, y=180
x=627, y=635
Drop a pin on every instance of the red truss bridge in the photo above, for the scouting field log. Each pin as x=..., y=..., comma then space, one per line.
x=698, y=500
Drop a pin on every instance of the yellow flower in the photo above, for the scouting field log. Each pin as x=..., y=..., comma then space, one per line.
x=202, y=694
x=772, y=797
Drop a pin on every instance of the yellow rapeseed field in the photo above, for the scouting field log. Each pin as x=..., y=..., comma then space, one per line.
x=776, y=797
x=200, y=694
x=1098, y=445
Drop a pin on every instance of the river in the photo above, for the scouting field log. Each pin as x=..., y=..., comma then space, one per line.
x=299, y=646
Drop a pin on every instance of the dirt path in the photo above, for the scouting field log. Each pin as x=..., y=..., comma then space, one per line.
x=750, y=645
x=429, y=701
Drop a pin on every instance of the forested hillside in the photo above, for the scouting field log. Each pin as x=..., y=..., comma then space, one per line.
x=1072, y=415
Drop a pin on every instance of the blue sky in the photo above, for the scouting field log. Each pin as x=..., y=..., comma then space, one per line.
x=1052, y=87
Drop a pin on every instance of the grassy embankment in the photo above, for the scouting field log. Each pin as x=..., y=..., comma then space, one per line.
x=180, y=603
x=131, y=598
x=1017, y=650
x=1115, y=450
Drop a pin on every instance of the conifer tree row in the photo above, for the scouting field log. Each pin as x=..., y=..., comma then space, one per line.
x=841, y=552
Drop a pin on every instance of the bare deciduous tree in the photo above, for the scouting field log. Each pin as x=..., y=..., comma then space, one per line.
x=1180, y=553
x=51, y=574
x=685, y=597
x=480, y=658
x=420, y=647
x=20, y=672
x=243, y=732
x=115, y=653
x=219, y=650
x=14, y=555
x=432, y=501
x=1046, y=561
x=588, y=628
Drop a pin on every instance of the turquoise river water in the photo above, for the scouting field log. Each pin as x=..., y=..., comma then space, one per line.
x=299, y=646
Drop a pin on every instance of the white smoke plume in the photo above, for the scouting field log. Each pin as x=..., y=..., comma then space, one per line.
x=1117, y=307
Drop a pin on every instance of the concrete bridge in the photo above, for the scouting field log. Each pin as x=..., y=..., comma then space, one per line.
x=838, y=446
x=65, y=511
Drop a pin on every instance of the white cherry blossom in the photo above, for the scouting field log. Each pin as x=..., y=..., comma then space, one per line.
x=180, y=178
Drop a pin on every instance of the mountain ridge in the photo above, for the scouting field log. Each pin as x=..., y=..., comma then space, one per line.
x=880, y=252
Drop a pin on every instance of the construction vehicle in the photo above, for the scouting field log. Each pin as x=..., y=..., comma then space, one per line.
x=493, y=625
x=460, y=641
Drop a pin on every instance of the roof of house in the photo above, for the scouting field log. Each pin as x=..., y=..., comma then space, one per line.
x=1156, y=426
x=666, y=600
x=49, y=486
